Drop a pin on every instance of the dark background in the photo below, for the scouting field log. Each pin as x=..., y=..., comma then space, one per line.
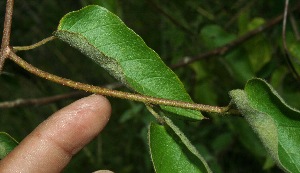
x=174, y=29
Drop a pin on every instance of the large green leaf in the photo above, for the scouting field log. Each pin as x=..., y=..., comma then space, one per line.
x=104, y=38
x=7, y=144
x=170, y=155
x=277, y=124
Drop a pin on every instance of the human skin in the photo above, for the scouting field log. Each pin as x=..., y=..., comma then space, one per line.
x=50, y=146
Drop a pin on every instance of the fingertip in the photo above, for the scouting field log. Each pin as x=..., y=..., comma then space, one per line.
x=51, y=145
x=102, y=103
x=80, y=121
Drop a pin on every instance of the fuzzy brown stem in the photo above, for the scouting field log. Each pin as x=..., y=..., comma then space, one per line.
x=33, y=46
x=50, y=99
x=114, y=93
x=6, y=32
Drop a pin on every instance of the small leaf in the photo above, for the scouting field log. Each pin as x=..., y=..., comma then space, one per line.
x=277, y=124
x=104, y=38
x=214, y=36
x=243, y=21
x=294, y=50
x=170, y=155
x=7, y=144
x=240, y=68
x=255, y=23
x=258, y=49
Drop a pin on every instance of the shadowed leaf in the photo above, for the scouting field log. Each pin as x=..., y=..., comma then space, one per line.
x=7, y=144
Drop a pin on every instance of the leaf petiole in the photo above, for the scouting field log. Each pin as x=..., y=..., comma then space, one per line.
x=33, y=46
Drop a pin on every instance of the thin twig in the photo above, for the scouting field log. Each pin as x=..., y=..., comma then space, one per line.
x=114, y=93
x=205, y=13
x=226, y=48
x=286, y=7
x=50, y=99
x=295, y=27
x=6, y=32
x=40, y=101
x=248, y=6
x=172, y=19
x=284, y=26
x=33, y=46
x=286, y=51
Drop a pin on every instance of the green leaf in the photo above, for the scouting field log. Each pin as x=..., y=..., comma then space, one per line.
x=239, y=68
x=7, y=144
x=214, y=36
x=255, y=23
x=294, y=50
x=170, y=155
x=248, y=138
x=104, y=38
x=258, y=49
x=276, y=123
x=243, y=20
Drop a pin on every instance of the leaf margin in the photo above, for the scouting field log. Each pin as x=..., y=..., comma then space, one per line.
x=115, y=69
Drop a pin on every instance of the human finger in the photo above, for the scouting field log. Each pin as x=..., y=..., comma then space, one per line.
x=51, y=145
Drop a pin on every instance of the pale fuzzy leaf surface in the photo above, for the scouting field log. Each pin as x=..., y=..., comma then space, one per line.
x=170, y=155
x=104, y=38
x=276, y=123
x=7, y=144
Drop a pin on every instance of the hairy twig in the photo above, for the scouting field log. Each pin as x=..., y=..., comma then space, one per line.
x=6, y=32
x=226, y=48
x=33, y=46
x=114, y=93
x=286, y=51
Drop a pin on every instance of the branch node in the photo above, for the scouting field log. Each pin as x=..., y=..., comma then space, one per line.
x=6, y=32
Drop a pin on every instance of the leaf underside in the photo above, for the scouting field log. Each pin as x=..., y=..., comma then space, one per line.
x=169, y=154
x=104, y=38
x=277, y=124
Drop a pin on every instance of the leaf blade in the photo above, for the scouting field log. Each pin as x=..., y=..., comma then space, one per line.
x=104, y=38
x=276, y=123
x=7, y=144
x=168, y=154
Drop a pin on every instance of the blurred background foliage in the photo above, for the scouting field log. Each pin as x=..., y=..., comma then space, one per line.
x=176, y=30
